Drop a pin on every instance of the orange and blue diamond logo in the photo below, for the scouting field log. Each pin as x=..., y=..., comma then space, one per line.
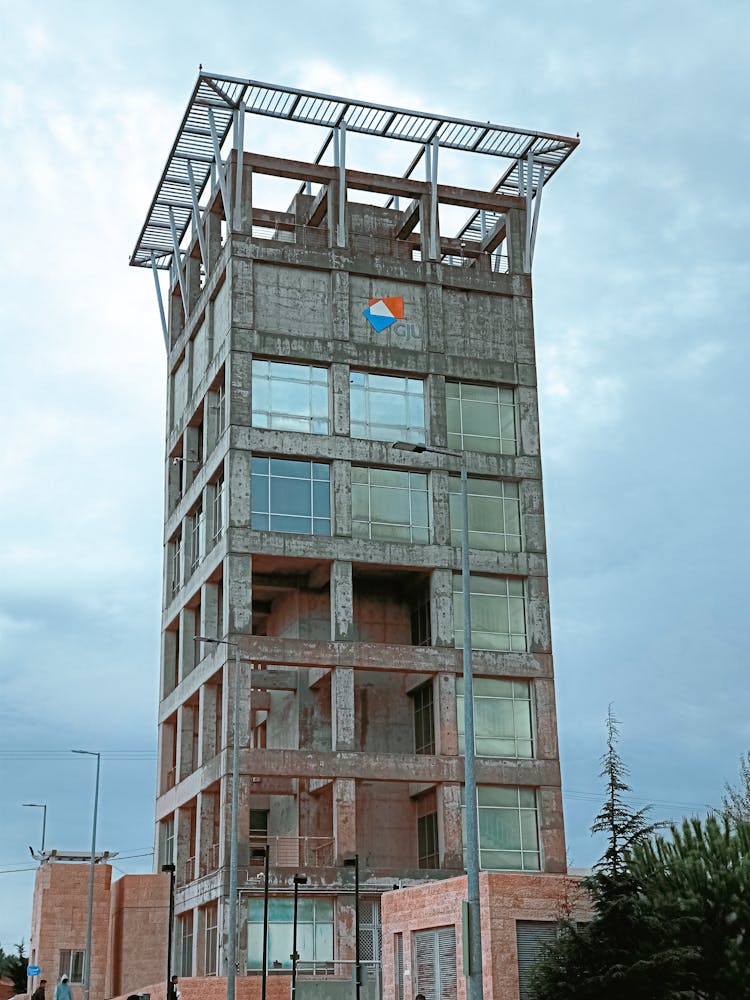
x=382, y=313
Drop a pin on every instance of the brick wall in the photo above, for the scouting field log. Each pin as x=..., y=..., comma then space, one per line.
x=139, y=916
x=215, y=988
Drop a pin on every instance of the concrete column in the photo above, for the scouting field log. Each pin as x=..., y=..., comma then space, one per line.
x=441, y=522
x=436, y=411
x=551, y=829
x=341, y=496
x=193, y=277
x=449, y=826
x=340, y=304
x=516, y=229
x=187, y=642
x=238, y=381
x=342, y=601
x=210, y=610
x=240, y=275
x=532, y=515
x=212, y=221
x=237, y=474
x=424, y=226
x=342, y=708
x=435, y=339
x=538, y=637
x=204, y=832
x=169, y=660
x=543, y=701
x=176, y=315
x=441, y=607
x=238, y=594
x=245, y=222
x=207, y=748
x=446, y=722
x=185, y=732
x=345, y=818
x=193, y=449
x=183, y=824
x=340, y=391
x=528, y=420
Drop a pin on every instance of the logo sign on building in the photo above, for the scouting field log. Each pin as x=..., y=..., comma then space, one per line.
x=382, y=313
x=32, y=970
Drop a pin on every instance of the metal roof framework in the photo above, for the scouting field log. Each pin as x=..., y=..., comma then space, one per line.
x=529, y=159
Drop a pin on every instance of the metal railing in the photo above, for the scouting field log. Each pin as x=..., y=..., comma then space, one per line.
x=287, y=852
x=186, y=872
x=210, y=860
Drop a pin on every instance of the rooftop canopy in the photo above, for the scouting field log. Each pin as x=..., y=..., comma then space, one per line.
x=527, y=160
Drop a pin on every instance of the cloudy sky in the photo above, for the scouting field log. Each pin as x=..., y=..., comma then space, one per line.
x=641, y=285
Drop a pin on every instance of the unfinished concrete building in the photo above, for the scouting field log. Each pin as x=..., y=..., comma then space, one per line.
x=318, y=312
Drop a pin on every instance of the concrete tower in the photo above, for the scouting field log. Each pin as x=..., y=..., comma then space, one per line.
x=317, y=313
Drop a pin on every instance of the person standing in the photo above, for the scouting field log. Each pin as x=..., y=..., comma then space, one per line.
x=63, y=990
x=38, y=993
x=174, y=993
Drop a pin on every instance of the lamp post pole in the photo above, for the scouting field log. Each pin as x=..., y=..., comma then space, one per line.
x=39, y=805
x=298, y=881
x=265, y=923
x=89, y=920
x=170, y=929
x=475, y=978
x=232, y=916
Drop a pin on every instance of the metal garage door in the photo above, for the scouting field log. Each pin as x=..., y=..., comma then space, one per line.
x=435, y=963
x=531, y=937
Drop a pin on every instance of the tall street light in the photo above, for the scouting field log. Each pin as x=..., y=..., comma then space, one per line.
x=475, y=983
x=170, y=868
x=354, y=863
x=38, y=805
x=87, y=953
x=298, y=881
x=232, y=921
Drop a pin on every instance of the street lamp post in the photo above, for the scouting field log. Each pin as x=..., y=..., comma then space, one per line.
x=89, y=920
x=475, y=977
x=232, y=919
x=170, y=929
x=354, y=863
x=39, y=805
x=298, y=881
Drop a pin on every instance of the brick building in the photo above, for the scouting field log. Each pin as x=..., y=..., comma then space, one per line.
x=318, y=312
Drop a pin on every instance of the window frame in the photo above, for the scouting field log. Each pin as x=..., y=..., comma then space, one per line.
x=262, y=481
x=457, y=438
x=274, y=419
x=519, y=810
x=411, y=492
x=475, y=534
x=71, y=963
x=482, y=695
x=518, y=583
x=423, y=707
x=367, y=383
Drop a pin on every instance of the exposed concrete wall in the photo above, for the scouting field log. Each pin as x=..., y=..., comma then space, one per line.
x=139, y=918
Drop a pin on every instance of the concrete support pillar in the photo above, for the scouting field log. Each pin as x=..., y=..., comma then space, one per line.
x=207, y=746
x=193, y=452
x=441, y=607
x=532, y=515
x=213, y=234
x=238, y=382
x=240, y=273
x=341, y=494
x=244, y=223
x=515, y=222
x=538, y=639
x=449, y=826
x=528, y=420
x=342, y=601
x=170, y=655
x=185, y=744
x=551, y=828
x=340, y=304
x=237, y=475
x=210, y=609
x=344, y=818
x=204, y=834
x=446, y=722
x=435, y=329
x=192, y=267
x=238, y=594
x=340, y=390
x=437, y=419
x=184, y=843
x=187, y=642
x=342, y=708
x=176, y=320
x=441, y=520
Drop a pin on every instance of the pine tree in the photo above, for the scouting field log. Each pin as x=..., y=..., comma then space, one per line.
x=735, y=804
x=623, y=826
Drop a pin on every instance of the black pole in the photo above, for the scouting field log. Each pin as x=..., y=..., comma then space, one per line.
x=358, y=966
x=298, y=881
x=171, y=870
x=265, y=925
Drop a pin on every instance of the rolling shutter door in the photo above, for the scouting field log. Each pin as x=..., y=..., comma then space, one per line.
x=531, y=937
x=435, y=963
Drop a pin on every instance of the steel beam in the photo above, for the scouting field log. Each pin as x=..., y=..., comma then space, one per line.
x=239, y=145
x=220, y=172
x=160, y=300
x=197, y=219
x=177, y=260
